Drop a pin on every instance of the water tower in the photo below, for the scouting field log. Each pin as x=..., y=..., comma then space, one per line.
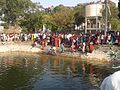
x=93, y=16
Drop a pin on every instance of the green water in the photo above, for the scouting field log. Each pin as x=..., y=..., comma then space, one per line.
x=20, y=71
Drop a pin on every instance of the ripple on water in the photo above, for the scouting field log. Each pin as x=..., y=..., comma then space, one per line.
x=35, y=72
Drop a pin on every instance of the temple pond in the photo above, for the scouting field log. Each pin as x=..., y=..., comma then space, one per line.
x=21, y=71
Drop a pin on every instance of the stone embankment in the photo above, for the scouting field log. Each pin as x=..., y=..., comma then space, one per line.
x=98, y=54
x=102, y=53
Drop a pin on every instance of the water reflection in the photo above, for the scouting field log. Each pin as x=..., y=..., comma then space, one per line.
x=36, y=72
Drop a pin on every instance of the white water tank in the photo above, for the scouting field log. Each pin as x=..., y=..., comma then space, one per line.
x=92, y=10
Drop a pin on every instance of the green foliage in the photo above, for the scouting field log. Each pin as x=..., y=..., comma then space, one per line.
x=110, y=46
x=113, y=10
x=79, y=14
x=59, y=8
x=79, y=19
x=48, y=21
x=119, y=9
x=15, y=9
x=2, y=3
x=33, y=21
x=24, y=30
x=5, y=25
x=63, y=18
x=115, y=24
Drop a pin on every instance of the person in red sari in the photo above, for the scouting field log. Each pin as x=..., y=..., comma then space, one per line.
x=56, y=41
x=91, y=47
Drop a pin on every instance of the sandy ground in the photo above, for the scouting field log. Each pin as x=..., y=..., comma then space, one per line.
x=102, y=53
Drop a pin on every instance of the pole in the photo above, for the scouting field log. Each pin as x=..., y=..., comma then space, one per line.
x=85, y=21
x=106, y=16
x=85, y=24
x=96, y=19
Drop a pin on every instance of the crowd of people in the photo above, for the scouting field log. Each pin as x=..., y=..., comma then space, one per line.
x=82, y=42
x=14, y=37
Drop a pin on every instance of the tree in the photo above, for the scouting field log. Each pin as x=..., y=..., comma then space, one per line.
x=49, y=22
x=79, y=14
x=113, y=10
x=2, y=3
x=33, y=21
x=15, y=9
x=115, y=24
x=59, y=8
x=63, y=18
x=119, y=9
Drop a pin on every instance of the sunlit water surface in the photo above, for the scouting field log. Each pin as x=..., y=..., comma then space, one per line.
x=20, y=71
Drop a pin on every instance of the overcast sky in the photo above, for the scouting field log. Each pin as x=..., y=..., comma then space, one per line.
x=48, y=3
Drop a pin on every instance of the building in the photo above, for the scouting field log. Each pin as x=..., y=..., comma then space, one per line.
x=93, y=16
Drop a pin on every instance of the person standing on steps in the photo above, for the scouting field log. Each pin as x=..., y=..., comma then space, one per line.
x=62, y=47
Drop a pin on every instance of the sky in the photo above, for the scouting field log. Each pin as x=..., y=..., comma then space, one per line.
x=48, y=3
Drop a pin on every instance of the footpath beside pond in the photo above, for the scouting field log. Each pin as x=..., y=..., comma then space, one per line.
x=18, y=47
x=103, y=53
